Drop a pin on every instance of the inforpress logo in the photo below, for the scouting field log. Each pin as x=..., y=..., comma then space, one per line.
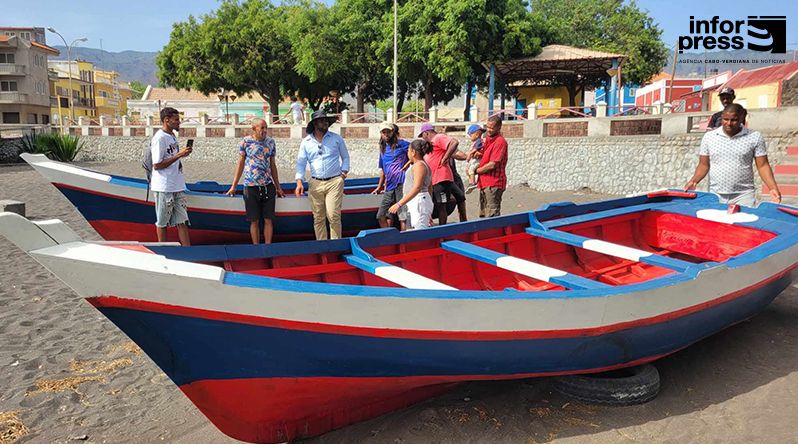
x=765, y=33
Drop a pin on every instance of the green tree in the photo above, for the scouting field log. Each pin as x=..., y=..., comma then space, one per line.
x=603, y=25
x=367, y=47
x=138, y=89
x=243, y=47
x=316, y=44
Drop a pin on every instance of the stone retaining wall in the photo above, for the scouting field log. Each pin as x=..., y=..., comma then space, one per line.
x=616, y=164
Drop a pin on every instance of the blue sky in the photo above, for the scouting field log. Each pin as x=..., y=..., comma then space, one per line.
x=145, y=25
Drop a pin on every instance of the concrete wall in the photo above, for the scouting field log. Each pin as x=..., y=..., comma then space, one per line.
x=603, y=164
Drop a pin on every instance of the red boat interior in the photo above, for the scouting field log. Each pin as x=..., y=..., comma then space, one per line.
x=684, y=238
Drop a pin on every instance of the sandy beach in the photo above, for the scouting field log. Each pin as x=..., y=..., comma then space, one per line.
x=68, y=375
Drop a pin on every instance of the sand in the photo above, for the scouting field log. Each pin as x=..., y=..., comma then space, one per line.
x=67, y=374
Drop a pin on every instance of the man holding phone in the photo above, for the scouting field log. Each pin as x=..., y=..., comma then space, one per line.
x=167, y=182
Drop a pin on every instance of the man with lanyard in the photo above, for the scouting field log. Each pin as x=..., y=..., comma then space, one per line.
x=393, y=159
x=491, y=170
x=727, y=154
x=168, y=183
x=256, y=161
x=443, y=179
x=326, y=154
x=726, y=96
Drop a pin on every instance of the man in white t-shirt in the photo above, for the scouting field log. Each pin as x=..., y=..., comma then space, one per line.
x=168, y=183
x=296, y=110
x=731, y=150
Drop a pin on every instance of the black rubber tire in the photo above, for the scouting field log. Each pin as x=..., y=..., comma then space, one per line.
x=628, y=386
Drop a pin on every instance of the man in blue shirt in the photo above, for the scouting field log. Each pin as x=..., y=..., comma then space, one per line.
x=393, y=159
x=326, y=154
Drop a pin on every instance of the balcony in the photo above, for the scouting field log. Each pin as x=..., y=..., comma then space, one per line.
x=12, y=70
x=107, y=102
x=13, y=97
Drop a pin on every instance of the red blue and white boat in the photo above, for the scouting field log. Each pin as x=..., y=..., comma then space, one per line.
x=285, y=341
x=122, y=208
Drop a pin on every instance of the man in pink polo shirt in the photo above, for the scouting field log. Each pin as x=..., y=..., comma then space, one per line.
x=492, y=177
x=443, y=185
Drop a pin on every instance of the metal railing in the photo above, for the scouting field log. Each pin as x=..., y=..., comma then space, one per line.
x=563, y=111
x=510, y=113
x=412, y=117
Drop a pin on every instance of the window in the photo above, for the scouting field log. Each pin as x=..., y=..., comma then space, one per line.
x=12, y=34
x=8, y=86
x=25, y=35
x=10, y=117
x=45, y=119
x=6, y=58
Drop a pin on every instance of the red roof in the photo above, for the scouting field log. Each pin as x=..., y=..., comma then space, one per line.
x=762, y=76
x=46, y=48
x=4, y=38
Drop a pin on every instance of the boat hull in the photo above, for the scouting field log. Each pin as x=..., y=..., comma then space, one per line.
x=124, y=219
x=259, y=380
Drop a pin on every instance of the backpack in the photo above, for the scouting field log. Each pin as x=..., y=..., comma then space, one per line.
x=146, y=163
x=146, y=160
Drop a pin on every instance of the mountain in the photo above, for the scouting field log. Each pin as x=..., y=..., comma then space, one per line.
x=131, y=65
x=692, y=64
x=140, y=66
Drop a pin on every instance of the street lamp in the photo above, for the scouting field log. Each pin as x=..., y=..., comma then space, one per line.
x=225, y=95
x=69, y=63
x=395, y=20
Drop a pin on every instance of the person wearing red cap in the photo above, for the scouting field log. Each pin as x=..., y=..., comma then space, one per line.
x=726, y=96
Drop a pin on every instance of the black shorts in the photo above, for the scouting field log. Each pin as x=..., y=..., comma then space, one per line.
x=443, y=192
x=259, y=202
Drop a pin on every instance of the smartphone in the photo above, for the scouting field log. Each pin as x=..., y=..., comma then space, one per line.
x=190, y=143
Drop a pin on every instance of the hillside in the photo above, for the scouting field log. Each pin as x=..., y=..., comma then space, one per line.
x=131, y=65
x=140, y=66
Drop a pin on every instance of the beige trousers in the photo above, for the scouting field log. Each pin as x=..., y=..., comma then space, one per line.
x=326, y=197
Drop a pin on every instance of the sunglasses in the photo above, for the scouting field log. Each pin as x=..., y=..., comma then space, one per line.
x=321, y=151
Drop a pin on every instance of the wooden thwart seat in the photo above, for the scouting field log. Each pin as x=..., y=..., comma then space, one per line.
x=521, y=266
x=395, y=274
x=611, y=249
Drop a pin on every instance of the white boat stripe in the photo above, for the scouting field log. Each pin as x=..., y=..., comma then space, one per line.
x=726, y=218
x=600, y=246
x=136, y=260
x=72, y=170
x=528, y=268
x=409, y=279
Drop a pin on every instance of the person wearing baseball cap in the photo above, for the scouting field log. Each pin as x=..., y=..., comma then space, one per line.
x=444, y=185
x=726, y=96
x=325, y=153
x=391, y=164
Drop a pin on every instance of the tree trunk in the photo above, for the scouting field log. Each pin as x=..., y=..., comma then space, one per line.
x=400, y=101
x=427, y=95
x=272, y=96
x=361, y=92
x=571, y=87
x=467, y=109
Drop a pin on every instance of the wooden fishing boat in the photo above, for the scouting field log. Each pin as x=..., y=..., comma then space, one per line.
x=123, y=208
x=285, y=341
